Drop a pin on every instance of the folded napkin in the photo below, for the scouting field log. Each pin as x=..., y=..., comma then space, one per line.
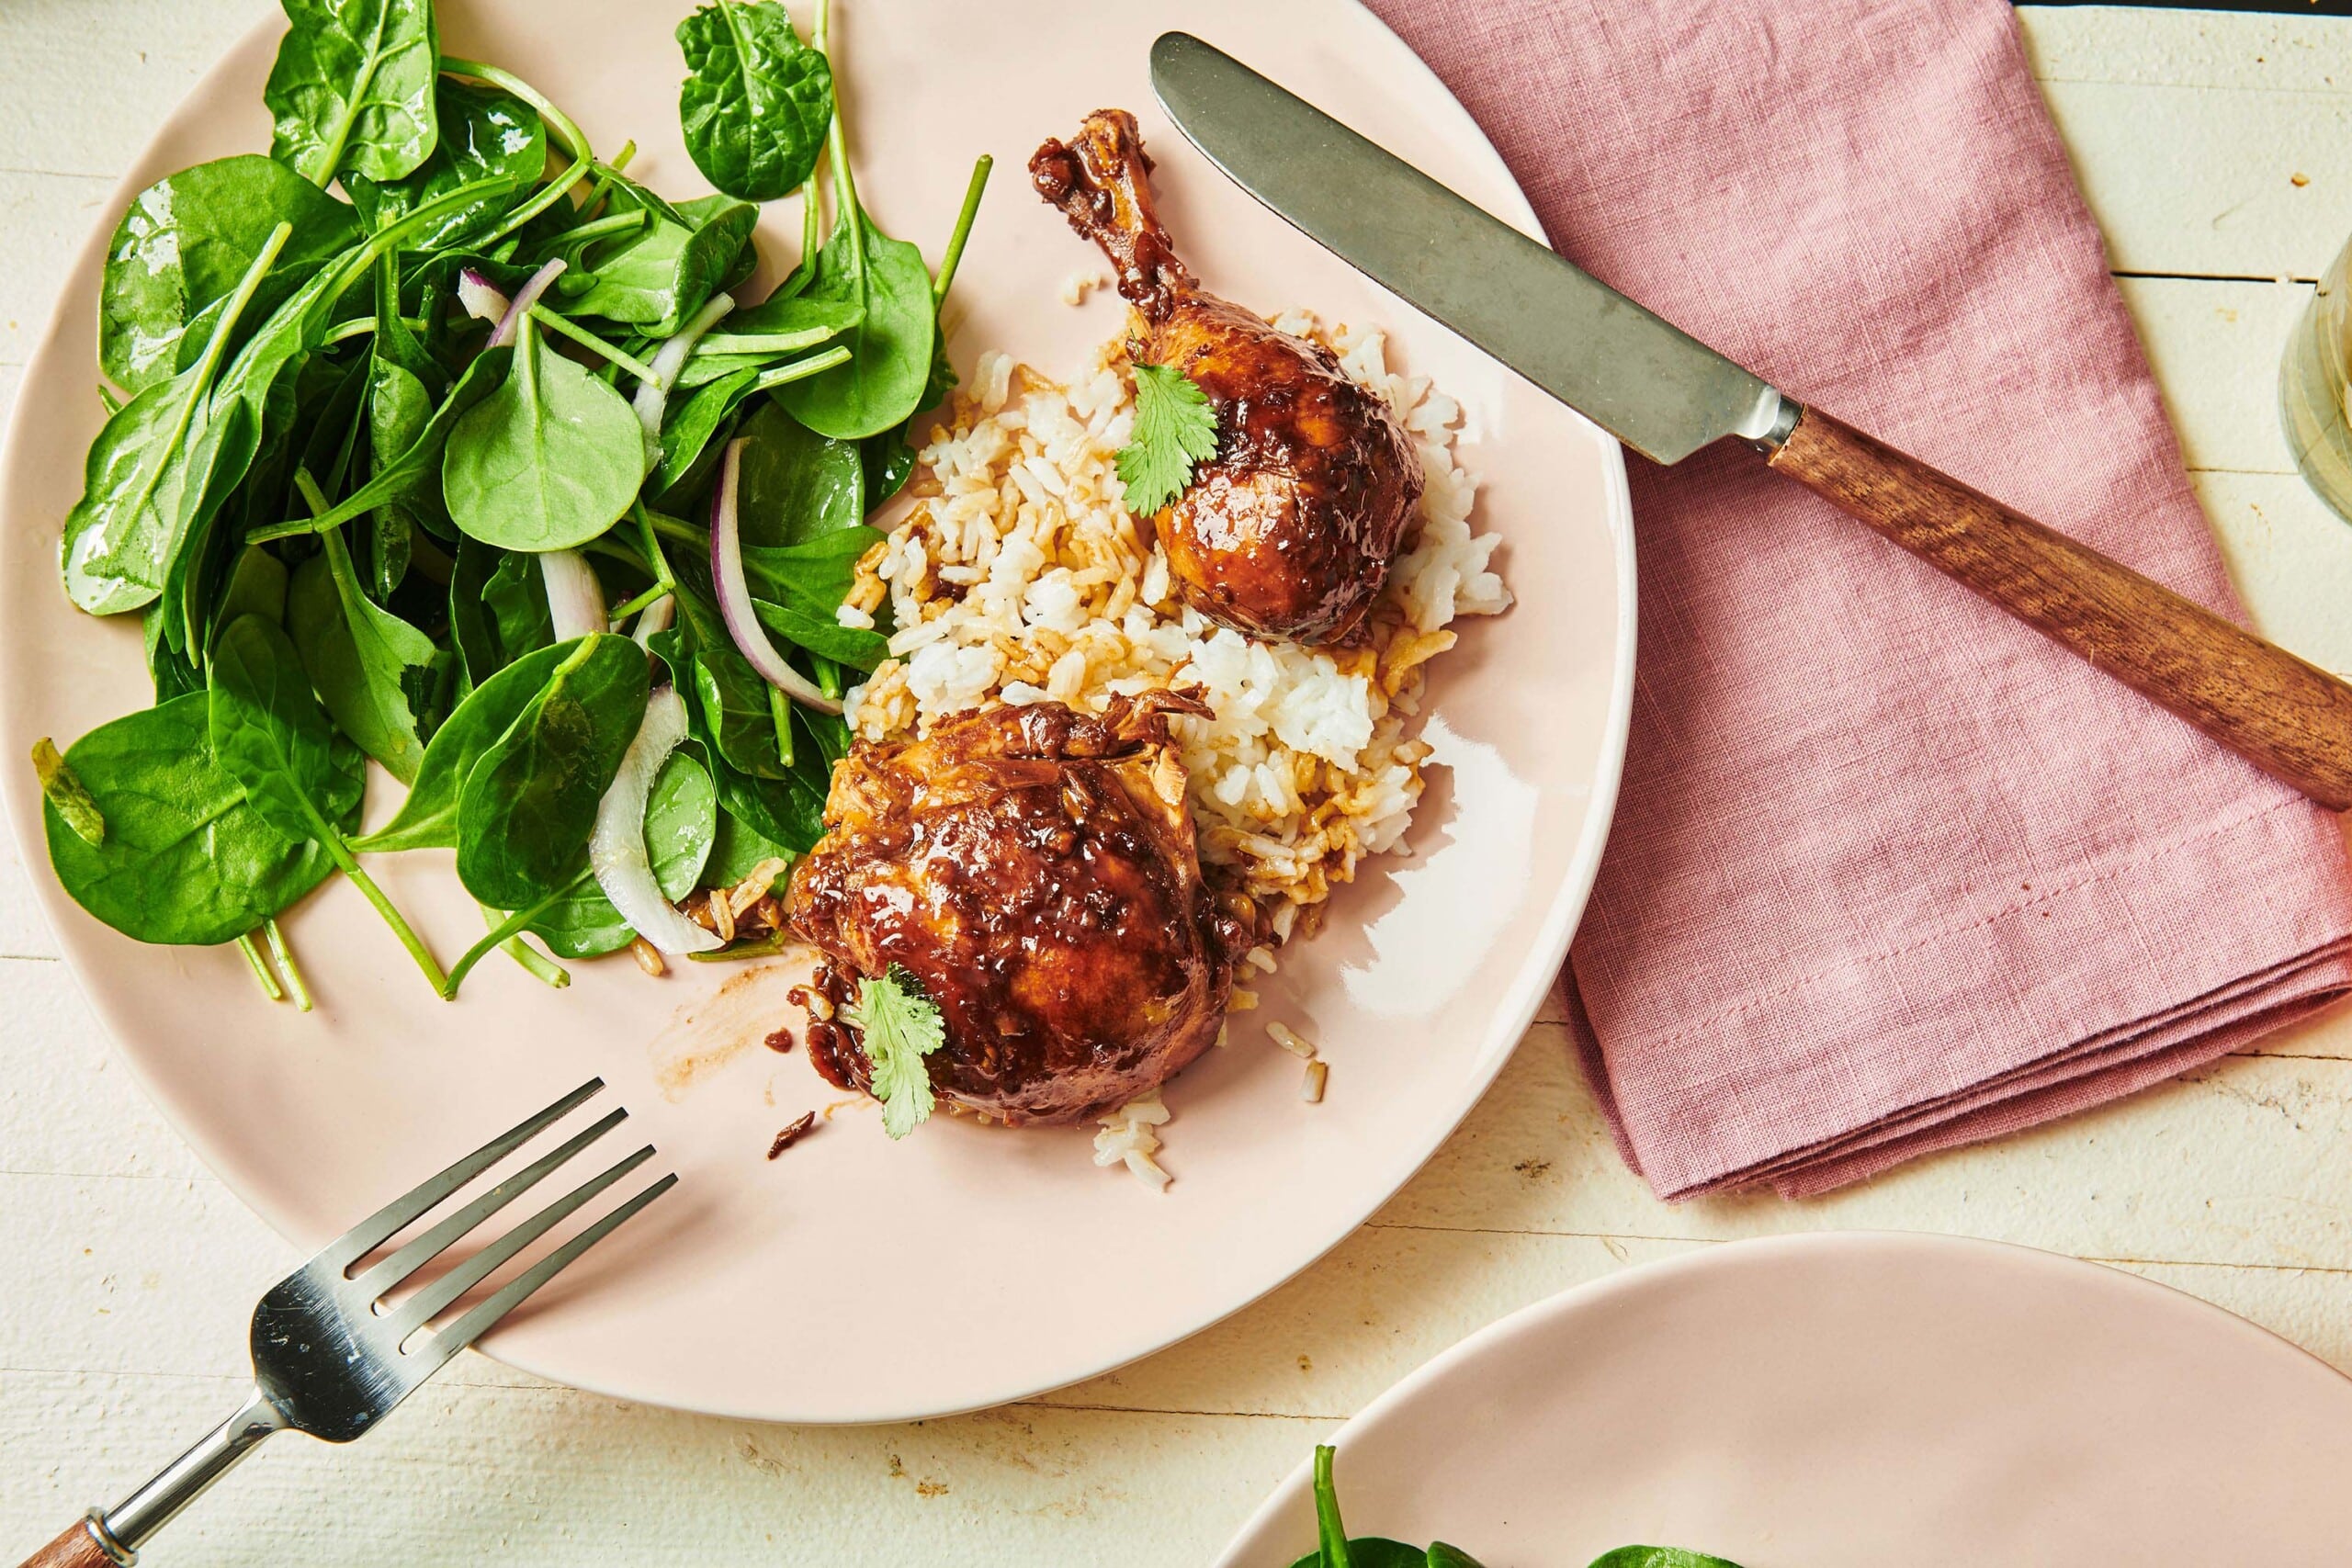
x=1890, y=872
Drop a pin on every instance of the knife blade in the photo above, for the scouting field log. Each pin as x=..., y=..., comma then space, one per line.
x=1666, y=394
x=1643, y=379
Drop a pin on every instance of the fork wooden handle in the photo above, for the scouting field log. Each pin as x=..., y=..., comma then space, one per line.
x=77, y=1548
x=2291, y=719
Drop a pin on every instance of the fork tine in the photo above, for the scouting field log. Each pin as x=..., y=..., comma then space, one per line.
x=401, y=1264
x=447, y=1342
x=419, y=1309
x=385, y=1222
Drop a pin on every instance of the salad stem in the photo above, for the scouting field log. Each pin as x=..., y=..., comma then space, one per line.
x=286, y=964
x=801, y=369
x=780, y=714
x=505, y=931
x=590, y=340
x=626, y=608
x=536, y=963
x=348, y=864
x=269, y=986
x=971, y=209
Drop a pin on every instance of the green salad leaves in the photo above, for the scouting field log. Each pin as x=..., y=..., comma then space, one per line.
x=756, y=101
x=1175, y=428
x=361, y=389
x=1337, y=1548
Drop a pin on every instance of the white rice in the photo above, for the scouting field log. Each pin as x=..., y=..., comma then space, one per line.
x=1019, y=577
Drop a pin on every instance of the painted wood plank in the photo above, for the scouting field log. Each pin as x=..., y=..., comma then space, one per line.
x=551, y=1477
x=2186, y=48
x=2249, y=1161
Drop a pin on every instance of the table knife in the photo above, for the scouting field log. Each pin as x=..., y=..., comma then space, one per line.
x=1666, y=395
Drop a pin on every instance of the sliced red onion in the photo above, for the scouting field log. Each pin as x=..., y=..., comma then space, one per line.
x=655, y=618
x=575, y=599
x=616, y=848
x=653, y=396
x=524, y=298
x=735, y=595
x=481, y=297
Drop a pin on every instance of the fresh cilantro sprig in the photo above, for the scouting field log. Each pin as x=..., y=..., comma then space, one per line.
x=899, y=1026
x=1175, y=428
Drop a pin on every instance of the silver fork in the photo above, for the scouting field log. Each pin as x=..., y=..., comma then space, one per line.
x=331, y=1358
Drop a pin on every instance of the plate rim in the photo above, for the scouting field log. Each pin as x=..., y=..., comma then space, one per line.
x=1515, y=1013
x=1715, y=1256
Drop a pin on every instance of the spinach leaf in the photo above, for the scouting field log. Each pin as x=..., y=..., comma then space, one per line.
x=738, y=849
x=735, y=713
x=795, y=485
x=483, y=132
x=1655, y=1557
x=472, y=632
x=1375, y=1551
x=358, y=655
x=662, y=276
x=756, y=99
x=788, y=810
x=816, y=573
x=267, y=733
x=821, y=634
x=352, y=88
x=148, y=473
x=257, y=586
x=409, y=477
x=692, y=421
x=185, y=241
x=186, y=858
x=428, y=817
x=516, y=596
x=527, y=807
x=890, y=346
x=547, y=461
x=681, y=820
x=399, y=410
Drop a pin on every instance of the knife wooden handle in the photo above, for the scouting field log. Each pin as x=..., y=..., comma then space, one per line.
x=77, y=1548
x=2287, y=718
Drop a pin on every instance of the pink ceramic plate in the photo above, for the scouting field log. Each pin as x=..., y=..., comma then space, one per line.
x=854, y=1280
x=1852, y=1401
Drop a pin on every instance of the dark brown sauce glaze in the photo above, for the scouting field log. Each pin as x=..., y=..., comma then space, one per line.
x=1290, y=529
x=1035, y=870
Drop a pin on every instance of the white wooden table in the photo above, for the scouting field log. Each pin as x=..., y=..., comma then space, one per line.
x=2217, y=151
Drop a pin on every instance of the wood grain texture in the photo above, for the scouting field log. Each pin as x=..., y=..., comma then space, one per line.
x=2289, y=717
x=127, y=1272
x=75, y=1547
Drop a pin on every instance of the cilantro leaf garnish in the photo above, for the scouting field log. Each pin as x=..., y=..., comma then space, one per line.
x=1175, y=428
x=899, y=1026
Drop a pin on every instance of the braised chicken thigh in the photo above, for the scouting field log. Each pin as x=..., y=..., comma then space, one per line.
x=1034, y=870
x=1289, y=530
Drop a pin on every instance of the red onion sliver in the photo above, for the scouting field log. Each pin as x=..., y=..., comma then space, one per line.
x=575, y=599
x=524, y=298
x=481, y=297
x=653, y=396
x=735, y=595
x=616, y=848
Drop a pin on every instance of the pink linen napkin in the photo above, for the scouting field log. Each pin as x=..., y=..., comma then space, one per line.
x=1890, y=872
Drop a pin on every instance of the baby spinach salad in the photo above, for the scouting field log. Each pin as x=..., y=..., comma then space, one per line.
x=437, y=439
x=1337, y=1550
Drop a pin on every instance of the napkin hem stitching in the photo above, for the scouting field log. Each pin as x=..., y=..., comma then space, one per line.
x=2044, y=896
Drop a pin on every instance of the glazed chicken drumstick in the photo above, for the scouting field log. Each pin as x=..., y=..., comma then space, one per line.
x=1289, y=530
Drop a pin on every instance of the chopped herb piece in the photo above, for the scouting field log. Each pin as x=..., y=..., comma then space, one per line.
x=899, y=1026
x=1175, y=428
